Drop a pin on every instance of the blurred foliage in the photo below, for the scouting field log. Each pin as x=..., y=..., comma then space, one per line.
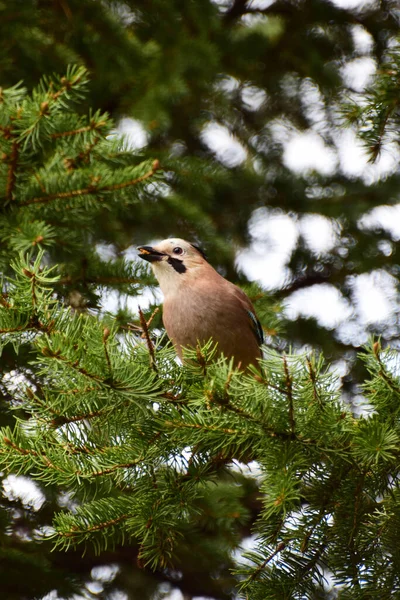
x=263, y=71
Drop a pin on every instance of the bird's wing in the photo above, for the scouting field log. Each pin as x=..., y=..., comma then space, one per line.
x=249, y=308
x=256, y=327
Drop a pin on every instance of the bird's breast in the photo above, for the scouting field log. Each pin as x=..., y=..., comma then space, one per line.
x=195, y=318
x=189, y=319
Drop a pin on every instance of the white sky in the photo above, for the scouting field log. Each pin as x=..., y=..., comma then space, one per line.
x=24, y=489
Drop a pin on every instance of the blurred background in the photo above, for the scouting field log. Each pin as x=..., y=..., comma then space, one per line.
x=243, y=104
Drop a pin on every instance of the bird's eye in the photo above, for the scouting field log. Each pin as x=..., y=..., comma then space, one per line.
x=177, y=250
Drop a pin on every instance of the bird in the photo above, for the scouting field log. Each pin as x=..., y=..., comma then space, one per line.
x=200, y=304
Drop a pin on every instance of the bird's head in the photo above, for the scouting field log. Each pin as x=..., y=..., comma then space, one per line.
x=173, y=261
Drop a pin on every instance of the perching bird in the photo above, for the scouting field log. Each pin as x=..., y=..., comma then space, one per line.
x=200, y=304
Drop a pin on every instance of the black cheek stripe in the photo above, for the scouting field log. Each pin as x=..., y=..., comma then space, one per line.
x=177, y=265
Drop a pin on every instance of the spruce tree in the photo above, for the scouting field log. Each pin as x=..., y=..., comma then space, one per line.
x=149, y=455
x=62, y=174
x=112, y=409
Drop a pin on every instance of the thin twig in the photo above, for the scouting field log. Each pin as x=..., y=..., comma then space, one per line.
x=277, y=550
x=289, y=395
x=91, y=127
x=74, y=365
x=182, y=425
x=201, y=360
x=106, y=334
x=60, y=420
x=109, y=470
x=153, y=314
x=26, y=452
x=311, y=372
x=267, y=383
x=148, y=340
x=228, y=384
x=358, y=498
x=75, y=531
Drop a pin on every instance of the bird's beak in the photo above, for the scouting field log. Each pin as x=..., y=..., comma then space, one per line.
x=150, y=254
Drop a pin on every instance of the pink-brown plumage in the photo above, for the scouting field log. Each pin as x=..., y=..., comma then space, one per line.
x=200, y=304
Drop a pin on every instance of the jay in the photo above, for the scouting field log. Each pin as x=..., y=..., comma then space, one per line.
x=200, y=304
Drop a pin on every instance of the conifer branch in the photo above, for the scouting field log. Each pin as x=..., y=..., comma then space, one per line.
x=268, y=383
x=201, y=360
x=40, y=182
x=358, y=494
x=225, y=403
x=32, y=325
x=12, y=167
x=289, y=389
x=73, y=450
x=316, y=557
x=93, y=126
x=175, y=399
x=70, y=449
x=146, y=334
x=106, y=335
x=18, y=328
x=383, y=372
x=310, y=532
x=33, y=289
x=85, y=154
x=75, y=531
x=313, y=379
x=25, y=452
x=46, y=351
x=116, y=467
x=182, y=425
x=376, y=147
x=153, y=314
x=228, y=384
x=326, y=505
x=20, y=450
x=262, y=566
x=93, y=189
x=52, y=98
x=60, y=420
x=3, y=301
x=74, y=391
